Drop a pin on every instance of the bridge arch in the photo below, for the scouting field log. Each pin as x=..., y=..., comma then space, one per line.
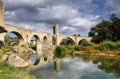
x=45, y=39
x=17, y=34
x=14, y=37
x=67, y=40
x=35, y=39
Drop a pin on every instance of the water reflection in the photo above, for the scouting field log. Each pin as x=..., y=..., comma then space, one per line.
x=75, y=68
x=33, y=57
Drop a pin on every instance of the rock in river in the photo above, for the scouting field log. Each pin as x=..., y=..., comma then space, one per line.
x=17, y=61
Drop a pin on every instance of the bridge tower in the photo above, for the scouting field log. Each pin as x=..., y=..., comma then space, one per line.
x=56, y=33
x=1, y=13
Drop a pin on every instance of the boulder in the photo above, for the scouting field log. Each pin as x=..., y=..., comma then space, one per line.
x=17, y=61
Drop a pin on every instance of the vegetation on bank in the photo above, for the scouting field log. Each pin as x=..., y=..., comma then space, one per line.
x=86, y=47
x=60, y=52
x=10, y=72
x=106, y=39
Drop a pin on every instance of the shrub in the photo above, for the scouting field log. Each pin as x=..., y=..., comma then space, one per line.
x=60, y=52
x=77, y=48
x=85, y=43
x=109, y=45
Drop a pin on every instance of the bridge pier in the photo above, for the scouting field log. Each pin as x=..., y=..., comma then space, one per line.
x=56, y=33
x=39, y=49
x=57, y=64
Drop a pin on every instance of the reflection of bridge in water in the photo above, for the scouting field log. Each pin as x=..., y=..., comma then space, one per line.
x=44, y=41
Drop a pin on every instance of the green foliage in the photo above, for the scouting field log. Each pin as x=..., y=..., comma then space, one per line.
x=106, y=30
x=85, y=43
x=77, y=48
x=2, y=29
x=60, y=52
x=10, y=72
x=101, y=31
x=77, y=35
x=10, y=41
x=66, y=42
x=5, y=49
x=115, y=27
x=105, y=45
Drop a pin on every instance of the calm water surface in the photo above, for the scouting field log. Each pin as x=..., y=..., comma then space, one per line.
x=80, y=68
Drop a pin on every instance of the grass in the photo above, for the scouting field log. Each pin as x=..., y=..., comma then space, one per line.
x=105, y=45
x=10, y=72
x=85, y=43
x=104, y=48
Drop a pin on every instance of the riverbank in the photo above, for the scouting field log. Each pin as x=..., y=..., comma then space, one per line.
x=8, y=71
x=106, y=48
x=10, y=66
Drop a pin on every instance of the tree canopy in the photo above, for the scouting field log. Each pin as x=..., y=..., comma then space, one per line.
x=106, y=30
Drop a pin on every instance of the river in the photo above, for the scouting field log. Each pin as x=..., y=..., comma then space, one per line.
x=81, y=68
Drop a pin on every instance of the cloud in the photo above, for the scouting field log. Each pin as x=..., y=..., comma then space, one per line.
x=75, y=68
x=73, y=16
x=114, y=5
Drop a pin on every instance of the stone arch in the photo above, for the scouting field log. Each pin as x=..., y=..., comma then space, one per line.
x=16, y=35
x=81, y=41
x=54, y=40
x=45, y=38
x=68, y=40
x=34, y=42
x=72, y=40
x=35, y=39
x=33, y=58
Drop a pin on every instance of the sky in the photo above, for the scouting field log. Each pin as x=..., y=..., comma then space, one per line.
x=73, y=16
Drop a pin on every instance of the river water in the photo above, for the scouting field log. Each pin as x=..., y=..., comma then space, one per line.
x=81, y=68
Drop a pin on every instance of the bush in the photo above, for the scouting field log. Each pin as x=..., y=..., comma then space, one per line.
x=77, y=48
x=85, y=43
x=109, y=45
x=60, y=52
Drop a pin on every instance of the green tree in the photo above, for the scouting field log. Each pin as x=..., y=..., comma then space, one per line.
x=79, y=35
x=115, y=27
x=101, y=31
x=74, y=35
x=106, y=30
x=2, y=29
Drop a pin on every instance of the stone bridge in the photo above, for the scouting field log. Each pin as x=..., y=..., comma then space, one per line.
x=25, y=35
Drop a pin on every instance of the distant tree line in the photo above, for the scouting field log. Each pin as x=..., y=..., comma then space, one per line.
x=106, y=30
x=77, y=35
